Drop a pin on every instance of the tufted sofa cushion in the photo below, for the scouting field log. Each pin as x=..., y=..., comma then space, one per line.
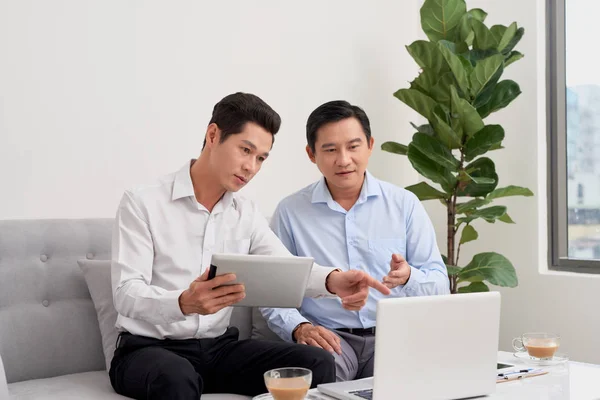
x=48, y=324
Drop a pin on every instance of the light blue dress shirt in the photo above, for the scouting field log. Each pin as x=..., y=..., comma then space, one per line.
x=385, y=219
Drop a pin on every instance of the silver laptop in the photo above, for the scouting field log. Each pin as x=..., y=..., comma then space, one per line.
x=429, y=348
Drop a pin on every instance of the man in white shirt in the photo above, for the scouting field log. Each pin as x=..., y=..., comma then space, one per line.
x=175, y=340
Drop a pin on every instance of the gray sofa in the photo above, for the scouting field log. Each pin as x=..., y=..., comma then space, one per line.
x=50, y=340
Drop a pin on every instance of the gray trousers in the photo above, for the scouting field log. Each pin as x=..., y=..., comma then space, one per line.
x=356, y=360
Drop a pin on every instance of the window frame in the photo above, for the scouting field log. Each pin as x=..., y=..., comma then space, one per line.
x=557, y=145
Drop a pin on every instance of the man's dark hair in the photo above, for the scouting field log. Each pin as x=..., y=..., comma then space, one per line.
x=334, y=111
x=233, y=112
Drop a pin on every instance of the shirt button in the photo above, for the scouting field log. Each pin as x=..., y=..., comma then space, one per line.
x=45, y=303
x=43, y=258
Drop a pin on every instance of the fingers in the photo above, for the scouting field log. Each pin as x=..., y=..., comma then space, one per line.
x=322, y=338
x=332, y=339
x=356, y=299
x=323, y=343
x=391, y=282
x=397, y=258
x=221, y=280
x=375, y=284
x=203, y=277
x=219, y=303
x=226, y=290
x=313, y=342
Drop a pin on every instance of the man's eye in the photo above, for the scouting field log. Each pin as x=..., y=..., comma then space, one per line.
x=246, y=150
x=353, y=147
x=330, y=150
x=261, y=159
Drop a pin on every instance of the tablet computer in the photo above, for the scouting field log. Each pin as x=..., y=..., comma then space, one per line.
x=270, y=281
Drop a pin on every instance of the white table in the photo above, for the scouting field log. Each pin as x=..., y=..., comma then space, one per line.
x=568, y=381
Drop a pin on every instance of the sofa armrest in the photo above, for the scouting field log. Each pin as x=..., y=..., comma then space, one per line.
x=3, y=384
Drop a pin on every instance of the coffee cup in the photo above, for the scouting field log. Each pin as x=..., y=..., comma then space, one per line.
x=541, y=346
x=288, y=383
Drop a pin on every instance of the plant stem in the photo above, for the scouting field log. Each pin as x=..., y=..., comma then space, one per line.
x=452, y=228
x=451, y=232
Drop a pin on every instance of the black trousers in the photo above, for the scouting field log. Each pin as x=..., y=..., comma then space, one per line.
x=147, y=368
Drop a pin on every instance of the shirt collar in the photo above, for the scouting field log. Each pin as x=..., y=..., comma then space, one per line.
x=183, y=187
x=370, y=188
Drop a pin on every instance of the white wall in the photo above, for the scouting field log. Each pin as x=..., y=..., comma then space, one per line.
x=99, y=96
x=544, y=301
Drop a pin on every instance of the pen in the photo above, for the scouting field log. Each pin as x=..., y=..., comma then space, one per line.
x=515, y=372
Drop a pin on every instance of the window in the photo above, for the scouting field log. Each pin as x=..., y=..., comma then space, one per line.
x=574, y=129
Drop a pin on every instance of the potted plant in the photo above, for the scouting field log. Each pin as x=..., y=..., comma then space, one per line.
x=458, y=86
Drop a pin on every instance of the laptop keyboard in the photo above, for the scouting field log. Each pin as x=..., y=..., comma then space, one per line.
x=364, y=393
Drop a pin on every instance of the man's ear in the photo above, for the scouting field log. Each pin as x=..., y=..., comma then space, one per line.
x=310, y=154
x=213, y=134
x=371, y=143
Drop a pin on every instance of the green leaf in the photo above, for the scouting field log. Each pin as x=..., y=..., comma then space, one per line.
x=474, y=287
x=445, y=133
x=445, y=259
x=483, y=73
x=509, y=191
x=396, y=148
x=514, y=41
x=512, y=57
x=457, y=68
x=427, y=56
x=439, y=18
x=506, y=219
x=482, y=180
x=430, y=169
x=464, y=31
x=498, y=31
x=456, y=48
x=478, y=14
x=427, y=129
x=470, y=121
x=418, y=101
x=482, y=168
x=435, y=151
x=425, y=192
x=441, y=91
x=468, y=234
x=452, y=270
x=502, y=95
x=508, y=35
x=493, y=267
x=470, y=205
x=484, y=39
x=483, y=140
x=486, y=93
x=475, y=56
x=490, y=214
x=426, y=80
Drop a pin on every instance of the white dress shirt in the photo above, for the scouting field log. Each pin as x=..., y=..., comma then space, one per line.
x=163, y=239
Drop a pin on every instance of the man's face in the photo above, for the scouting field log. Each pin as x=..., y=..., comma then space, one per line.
x=342, y=153
x=240, y=156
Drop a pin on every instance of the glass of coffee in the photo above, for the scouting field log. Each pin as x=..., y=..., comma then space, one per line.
x=288, y=383
x=541, y=346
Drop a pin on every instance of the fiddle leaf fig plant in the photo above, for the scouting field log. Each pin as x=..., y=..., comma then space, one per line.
x=458, y=86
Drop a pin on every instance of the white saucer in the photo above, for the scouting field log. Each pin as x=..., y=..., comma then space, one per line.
x=527, y=359
x=267, y=396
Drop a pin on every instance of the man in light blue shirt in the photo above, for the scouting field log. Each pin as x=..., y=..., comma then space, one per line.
x=351, y=218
